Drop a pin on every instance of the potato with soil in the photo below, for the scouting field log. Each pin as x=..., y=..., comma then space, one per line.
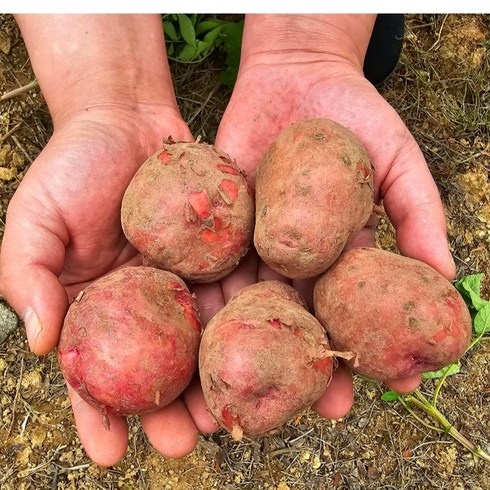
x=398, y=315
x=130, y=341
x=263, y=358
x=314, y=191
x=189, y=210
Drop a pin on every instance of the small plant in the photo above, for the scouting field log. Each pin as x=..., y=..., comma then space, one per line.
x=470, y=288
x=192, y=38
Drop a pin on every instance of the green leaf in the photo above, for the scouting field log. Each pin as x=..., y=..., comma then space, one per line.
x=469, y=287
x=390, y=396
x=232, y=44
x=201, y=47
x=169, y=30
x=451, y=369
x=170, y=49
x=212, y=36
x=481, y=322
x=187, y=30
x=188, y=53
x=208, y=25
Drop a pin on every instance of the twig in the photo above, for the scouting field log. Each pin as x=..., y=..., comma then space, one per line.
x=203, y=105
x=19, y=91
x=17, y=391
x=22, y=149
x=439, y=33
x=9, y=133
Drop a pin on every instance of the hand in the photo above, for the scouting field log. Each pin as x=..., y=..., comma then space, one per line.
x=277, y=86
x=63, y=232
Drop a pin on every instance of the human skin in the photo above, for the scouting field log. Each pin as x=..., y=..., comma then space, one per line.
x=109, y=91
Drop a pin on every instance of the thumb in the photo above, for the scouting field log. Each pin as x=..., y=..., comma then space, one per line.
x=31, y=259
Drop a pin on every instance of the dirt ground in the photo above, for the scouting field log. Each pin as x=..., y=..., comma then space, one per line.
x=442, y=91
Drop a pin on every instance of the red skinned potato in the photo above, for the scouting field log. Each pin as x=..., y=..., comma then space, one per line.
x=314, y=191
x=263, y=358
x=189, y=210
x=130, y=341
x=398, y=315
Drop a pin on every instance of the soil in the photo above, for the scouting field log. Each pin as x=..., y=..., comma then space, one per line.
x=441, y=90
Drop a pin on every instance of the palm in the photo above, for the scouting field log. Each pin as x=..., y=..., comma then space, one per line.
x=81, y=176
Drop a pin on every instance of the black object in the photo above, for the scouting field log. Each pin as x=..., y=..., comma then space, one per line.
x=384, y=47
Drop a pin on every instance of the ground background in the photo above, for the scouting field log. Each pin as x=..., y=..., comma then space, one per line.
x=442, y=91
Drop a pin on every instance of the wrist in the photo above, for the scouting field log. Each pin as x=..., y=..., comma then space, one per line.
x=98, y=61
x=307, y=38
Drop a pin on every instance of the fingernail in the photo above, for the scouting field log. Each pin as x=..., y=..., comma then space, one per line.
x=33, y=327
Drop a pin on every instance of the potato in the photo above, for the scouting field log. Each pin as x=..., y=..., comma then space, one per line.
x=189, y=210
x=130, y=341
x=263, y=358
x=314, y=191
x=398, y=315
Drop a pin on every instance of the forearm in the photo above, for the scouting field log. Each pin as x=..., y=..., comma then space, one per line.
x=317, y=37
x=84, y=61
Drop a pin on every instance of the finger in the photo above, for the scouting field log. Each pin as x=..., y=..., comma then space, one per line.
x=305, y=287
x=244, y=275
x=209, y=300
x=365, y=237
x=105, y=444
x=171, y=430
x=31, y=259
x=338, y=398
x=196, y=406
x=413, y=203
x=265, y=273
x=404, y=385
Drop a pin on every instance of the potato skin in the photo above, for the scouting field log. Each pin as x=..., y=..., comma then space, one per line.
x=130, y=341
x=263, y=358
x=398, y=315
x=314, y=191
x=189, y=210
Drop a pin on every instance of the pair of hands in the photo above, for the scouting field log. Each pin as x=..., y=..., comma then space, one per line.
x=63, y=224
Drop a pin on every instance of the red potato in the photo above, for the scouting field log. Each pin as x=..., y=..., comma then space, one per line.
x=130, y=341
x=314, y=192
x=263, y=358
x=189, y=210
x=398, y=315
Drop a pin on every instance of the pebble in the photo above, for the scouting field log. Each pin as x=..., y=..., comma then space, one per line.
x=8, y=321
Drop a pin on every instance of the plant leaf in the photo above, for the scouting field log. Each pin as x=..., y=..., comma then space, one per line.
x=169, y=30
x=201, y=47
x=208, y=25
x=469, y=287
x=232, y=44
x=451, y=369
x=481, y=322
x=188, y=53
x=211, y=36
x=187, y=30
x=390, y=396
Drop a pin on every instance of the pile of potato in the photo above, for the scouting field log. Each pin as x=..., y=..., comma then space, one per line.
x=132, y=341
